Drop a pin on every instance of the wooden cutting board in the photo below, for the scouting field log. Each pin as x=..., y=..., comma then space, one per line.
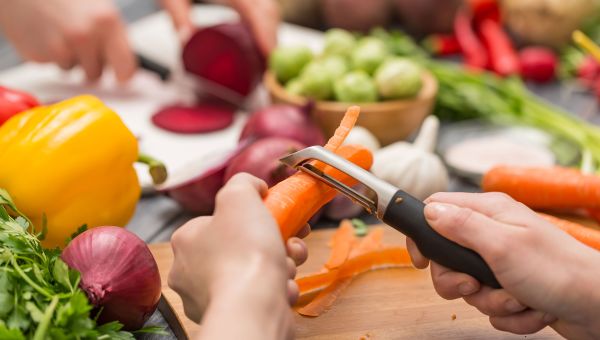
x=386, y=304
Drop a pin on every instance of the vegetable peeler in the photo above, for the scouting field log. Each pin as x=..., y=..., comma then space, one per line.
x=396, y=208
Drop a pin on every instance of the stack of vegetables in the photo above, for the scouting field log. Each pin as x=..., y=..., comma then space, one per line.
x=351, y=68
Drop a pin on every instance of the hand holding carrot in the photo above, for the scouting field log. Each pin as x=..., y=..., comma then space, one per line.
x=549, y=278
x=231, y=268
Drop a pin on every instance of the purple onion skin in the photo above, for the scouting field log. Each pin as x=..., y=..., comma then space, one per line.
x=261, y=159
x=198, y=195
x=118, y=273
x=283, y=121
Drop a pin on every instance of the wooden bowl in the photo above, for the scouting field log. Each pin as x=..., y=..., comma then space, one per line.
x=389, y=121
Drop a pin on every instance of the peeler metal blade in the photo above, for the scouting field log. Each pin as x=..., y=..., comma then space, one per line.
x=302, y=160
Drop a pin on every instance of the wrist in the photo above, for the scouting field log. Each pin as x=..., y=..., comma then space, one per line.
x=589, y=288
x=253, y=298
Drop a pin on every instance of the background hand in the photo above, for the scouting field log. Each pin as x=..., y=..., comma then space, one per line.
x=89, y=33
x=548, y=277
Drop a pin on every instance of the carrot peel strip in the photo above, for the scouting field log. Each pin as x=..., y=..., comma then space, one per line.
x=341, y=244
x=392, y=257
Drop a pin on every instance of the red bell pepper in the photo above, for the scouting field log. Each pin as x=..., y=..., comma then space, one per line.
x=504, y=59
x=442, y=44
x=472, y=49
x=14, y=101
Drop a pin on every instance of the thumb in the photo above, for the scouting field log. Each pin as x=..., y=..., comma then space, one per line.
x=469, y=228
x=179, y=10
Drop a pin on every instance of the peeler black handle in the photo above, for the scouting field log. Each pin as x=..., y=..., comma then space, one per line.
x=405, y=214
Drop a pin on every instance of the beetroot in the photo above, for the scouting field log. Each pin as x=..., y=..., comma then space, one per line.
x=193, y=119
x=283, y=121
x=261, y=159
x=538, y=64
x=227, y=55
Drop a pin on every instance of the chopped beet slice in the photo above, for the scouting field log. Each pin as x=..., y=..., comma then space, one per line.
x=193, y=119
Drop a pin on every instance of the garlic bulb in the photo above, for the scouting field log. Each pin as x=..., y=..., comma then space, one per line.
x=361, y=136
x=413, y=167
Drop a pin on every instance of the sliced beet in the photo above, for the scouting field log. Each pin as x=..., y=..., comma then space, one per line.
x=193, y=119
x=225, y=54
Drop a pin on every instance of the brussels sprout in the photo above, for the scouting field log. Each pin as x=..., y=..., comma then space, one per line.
x=294, y=86
x=398, y=78
x=355, y=87
x=316, y=81
x=287, y=62
x=336, y=66
x=369, y=54
x=339, y=41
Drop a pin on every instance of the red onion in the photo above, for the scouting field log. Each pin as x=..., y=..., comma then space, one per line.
x=261, y=159
x=196, y=185
x=283, y=121
x=118, y=274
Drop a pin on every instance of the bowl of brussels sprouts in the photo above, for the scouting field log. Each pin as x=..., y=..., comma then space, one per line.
x=395, y=93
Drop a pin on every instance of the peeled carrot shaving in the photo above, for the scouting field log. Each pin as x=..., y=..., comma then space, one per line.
x=329, y=295
x=293, y=201
x=325, y=299
x=585, y=235
x=341, y=244
x=342, y=131
x=394, y=257
x=371, y=242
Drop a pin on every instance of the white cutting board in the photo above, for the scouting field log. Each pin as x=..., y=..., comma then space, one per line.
x=135, y=102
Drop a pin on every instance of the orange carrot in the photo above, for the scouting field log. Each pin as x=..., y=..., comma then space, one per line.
x=329, y=295
x=341, y=244
x=293, y=201
x=325, y=299
x=585, y=235
x=340, y=134
x=545, y=188
x=392, y=257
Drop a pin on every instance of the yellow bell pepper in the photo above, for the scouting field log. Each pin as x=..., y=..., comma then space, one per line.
x=72, y=161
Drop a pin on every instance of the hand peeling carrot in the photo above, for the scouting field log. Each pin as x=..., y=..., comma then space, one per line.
x=585, y=235
x=545, y=188
x=296, y=199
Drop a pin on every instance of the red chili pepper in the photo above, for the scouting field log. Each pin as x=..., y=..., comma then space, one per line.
x=473, y=50
x=442, y=44
x=504, y=59
x=485, y=9
x=14, y=101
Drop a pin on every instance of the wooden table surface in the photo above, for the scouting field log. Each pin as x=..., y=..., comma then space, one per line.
x=386, y=304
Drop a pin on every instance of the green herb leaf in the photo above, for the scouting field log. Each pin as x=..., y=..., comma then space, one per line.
x=360, y=227
x=79, y=231
x=60, y=271
x=10, y=334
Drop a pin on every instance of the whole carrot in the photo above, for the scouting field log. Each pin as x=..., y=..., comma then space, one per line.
x=545, y=188
x=585, y=235
x=293, y=201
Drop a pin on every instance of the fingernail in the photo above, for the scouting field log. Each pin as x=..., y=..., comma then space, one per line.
x=434, y=210
x=548, y=319
x=513, y=306
x=466, y=288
